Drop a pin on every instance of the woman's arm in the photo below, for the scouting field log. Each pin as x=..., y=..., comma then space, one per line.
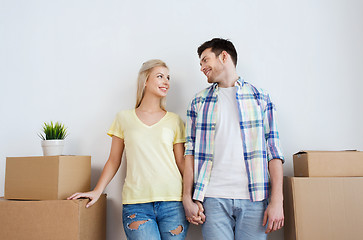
x=109, y=170
x=194, y=211
x=179, y=156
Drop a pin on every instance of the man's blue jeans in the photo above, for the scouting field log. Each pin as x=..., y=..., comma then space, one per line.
x=155, y=221
x=230, y=219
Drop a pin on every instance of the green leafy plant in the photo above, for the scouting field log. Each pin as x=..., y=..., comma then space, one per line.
x=52, y=131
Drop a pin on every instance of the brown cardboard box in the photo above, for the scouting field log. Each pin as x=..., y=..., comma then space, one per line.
x=328, y=164
x=323, y=208
x=46, y=177
x=53, y=220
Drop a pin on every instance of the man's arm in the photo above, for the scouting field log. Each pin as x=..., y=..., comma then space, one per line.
x=274, y=213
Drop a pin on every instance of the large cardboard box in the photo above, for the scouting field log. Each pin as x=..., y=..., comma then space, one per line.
x=46, y=177
x=53, y=220
x=323, y=208
x=328, y=164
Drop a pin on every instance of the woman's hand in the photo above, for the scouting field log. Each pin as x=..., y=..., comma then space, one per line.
x=92, y=195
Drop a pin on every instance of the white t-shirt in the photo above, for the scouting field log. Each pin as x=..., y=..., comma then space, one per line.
x=228, y=177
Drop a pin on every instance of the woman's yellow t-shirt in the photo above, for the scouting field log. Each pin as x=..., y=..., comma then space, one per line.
x=151, y=173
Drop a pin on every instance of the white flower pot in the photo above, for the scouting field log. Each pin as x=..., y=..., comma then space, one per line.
x=52, y=147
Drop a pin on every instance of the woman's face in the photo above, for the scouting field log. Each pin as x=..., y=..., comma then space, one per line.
x=158, y=82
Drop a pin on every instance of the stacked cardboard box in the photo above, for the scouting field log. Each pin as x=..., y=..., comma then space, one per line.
x=52, y=219
x=50, y=179
x=323, y=200
x=46, y=178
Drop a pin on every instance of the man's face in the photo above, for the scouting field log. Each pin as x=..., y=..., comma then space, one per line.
x=211, y=66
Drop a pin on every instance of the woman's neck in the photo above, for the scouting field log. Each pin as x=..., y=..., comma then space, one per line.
x=150, y=104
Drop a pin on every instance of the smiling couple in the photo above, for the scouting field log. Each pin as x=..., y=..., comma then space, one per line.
x=223, y=171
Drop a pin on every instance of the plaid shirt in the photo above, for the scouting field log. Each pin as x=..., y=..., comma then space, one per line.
x=258, y=130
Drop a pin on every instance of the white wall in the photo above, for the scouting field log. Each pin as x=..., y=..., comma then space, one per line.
x=77, y=62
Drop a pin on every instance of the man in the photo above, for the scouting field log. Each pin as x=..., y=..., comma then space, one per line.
x=233, y=161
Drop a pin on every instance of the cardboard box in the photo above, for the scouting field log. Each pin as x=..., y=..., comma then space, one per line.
x=52, y=219
x=328, y=164
x=46, y=177
x=323, y=208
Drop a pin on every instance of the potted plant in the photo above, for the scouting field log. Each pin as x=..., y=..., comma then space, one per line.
x=53, y=136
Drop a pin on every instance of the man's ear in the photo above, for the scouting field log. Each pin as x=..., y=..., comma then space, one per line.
x=224, y=56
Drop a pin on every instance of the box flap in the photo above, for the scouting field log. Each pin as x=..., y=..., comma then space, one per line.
x=322, y=151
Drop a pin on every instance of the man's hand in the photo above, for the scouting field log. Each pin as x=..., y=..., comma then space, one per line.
x=194, y=211
x=274, y=216
x=201, y=211
x=274, y=213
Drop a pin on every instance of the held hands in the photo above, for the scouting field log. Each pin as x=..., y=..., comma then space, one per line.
x=194, y=211
x=274, y=216
x=92, y=195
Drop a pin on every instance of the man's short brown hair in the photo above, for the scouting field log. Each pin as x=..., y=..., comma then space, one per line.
x=219, y=45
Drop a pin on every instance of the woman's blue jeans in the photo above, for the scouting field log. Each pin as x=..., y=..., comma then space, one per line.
x=155, y=221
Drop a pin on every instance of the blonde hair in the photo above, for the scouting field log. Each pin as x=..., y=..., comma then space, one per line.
x=144, y=74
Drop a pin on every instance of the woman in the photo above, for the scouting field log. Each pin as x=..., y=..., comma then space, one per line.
x=154, y=143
